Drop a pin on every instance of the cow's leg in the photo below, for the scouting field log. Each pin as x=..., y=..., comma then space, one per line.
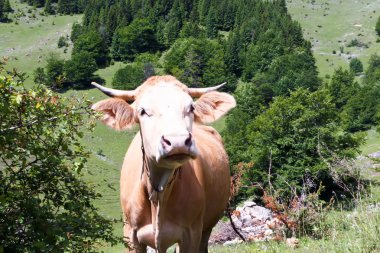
x=130, y=237
x=203, y=247
x=190, y=241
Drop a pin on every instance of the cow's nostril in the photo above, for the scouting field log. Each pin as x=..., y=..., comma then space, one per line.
x=188, y=141
x=166, y=141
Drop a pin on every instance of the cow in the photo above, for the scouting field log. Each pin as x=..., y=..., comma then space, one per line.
x=175, y=180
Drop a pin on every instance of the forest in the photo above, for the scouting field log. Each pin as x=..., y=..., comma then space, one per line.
x=292, y=133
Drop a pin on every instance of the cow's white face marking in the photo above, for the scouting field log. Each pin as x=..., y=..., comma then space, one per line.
x=166, y=115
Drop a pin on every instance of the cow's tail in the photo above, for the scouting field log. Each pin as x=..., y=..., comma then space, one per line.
x=228, y=212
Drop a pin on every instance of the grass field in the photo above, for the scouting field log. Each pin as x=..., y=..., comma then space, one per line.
x=327, y=24
x=330, y=25
x=28, y=43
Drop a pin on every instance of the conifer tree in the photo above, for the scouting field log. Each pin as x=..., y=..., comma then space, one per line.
x=48, y=8
x=7, y=7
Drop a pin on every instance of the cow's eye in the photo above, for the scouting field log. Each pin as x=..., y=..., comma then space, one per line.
x=143, y=112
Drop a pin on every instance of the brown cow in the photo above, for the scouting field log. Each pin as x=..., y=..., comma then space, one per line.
x=174, y=182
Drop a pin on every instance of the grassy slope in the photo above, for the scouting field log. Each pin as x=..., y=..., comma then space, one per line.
x=28, y=43
x=328, y=25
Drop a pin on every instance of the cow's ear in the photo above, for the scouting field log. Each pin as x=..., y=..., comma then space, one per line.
x=117, y=113
x=213, y=105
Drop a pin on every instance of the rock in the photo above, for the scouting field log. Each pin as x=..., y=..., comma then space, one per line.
x=293, y=242
x=249, y=229
x=237, y=222
x=249, y=204
x=268, y=232
x=259, y=212
x=233, y=242
x=375, y=155
x=246, y=219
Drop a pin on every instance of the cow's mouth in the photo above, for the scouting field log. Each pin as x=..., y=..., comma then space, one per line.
x=178, y=157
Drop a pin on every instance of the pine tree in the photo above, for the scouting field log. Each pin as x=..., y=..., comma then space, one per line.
x=232, y=54
x=1, y=10
x=48, y=8
x=7, y=7
x=212, y=23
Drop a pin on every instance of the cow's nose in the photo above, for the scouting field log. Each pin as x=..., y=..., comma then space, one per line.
x=189, y=141
x=165, y=142
x=173, y=141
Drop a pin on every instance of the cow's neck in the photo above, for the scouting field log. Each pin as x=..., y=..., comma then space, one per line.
x=159, y=181
x=159, y=184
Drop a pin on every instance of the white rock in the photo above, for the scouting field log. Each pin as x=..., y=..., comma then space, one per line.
x=233, y=242
x=259, y=212
x=268, y=232
x=246, y=219
x=237, y=222
x=249, y=229
x=375, y=155
x=249, y=204
x=292, y=242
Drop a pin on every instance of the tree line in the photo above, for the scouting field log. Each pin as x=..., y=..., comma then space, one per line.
x=251, y=42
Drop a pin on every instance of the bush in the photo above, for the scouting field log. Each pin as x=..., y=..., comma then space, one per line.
x=138, y=37
x=377, y=27
x=357, y=43
x=62, y=42
x=54, y=71
x=80, y=68
x=289, y=139
x=92, y=43
x=198, y=63
x=356, y=66
x=76, y=31
x=129, y=77
x=45, y=206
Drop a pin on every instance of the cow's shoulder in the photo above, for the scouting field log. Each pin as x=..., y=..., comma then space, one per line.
x=204, y=131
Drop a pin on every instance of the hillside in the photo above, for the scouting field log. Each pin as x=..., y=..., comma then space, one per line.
x=328, y=25
x=332, y=25
x=28, y=40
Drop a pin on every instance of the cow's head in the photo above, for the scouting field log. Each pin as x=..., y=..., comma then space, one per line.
x=165, y=110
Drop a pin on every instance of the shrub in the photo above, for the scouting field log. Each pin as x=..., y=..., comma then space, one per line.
x=129, y=77
x=289, y=139
x=54, y=71
x=62, y=42
x=356, y=66
x=357, y=43
x=138, y=37
x=45, y=205
x=197, y=62
x=92, y=43
x=80, y=68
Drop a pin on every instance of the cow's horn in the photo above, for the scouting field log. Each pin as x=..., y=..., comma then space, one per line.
x=197, y=92
x=128, y=95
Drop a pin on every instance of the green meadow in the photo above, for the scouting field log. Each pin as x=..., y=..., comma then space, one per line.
x=332, y=25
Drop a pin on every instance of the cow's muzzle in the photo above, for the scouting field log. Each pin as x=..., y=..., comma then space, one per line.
x=177, y=147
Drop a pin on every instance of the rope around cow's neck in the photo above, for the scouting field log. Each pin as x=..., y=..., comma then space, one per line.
x=145, y=167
